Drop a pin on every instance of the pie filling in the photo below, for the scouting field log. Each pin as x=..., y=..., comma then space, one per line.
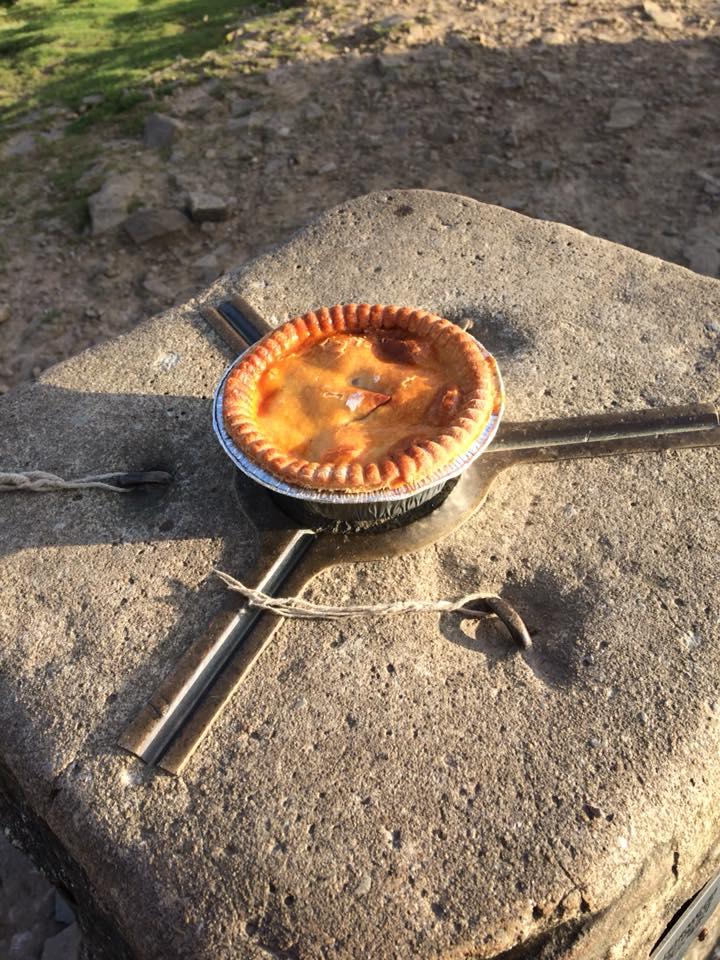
x=346, y=399
x=373, y=407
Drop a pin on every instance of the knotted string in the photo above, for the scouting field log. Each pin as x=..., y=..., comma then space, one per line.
x=297, y=608
x=38, y=481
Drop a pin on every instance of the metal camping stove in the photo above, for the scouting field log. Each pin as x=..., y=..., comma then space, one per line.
x=173, y=723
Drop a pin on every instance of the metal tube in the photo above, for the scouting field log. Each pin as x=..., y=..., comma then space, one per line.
x=605, y=427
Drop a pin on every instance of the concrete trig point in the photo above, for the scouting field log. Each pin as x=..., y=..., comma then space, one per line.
x=396, y=788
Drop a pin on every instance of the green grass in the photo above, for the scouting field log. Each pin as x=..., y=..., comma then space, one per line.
x=59, y=51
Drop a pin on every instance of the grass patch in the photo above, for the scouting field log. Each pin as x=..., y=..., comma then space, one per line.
x=59, y=51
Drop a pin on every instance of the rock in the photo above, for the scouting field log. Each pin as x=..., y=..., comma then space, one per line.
x=444, y=133
x=364, y=886
x=242, y=107
x=702, y=251
x=711, y=184
x=207, y=268
x=64, y=945
x=547, y=167
x=93, y=100
x=492, y=164
x=20, y=144
x=207, y=206
x=157, y=288
x=554, y=37
x=91, y=179
x=667, y=19
x=109, y=206
x=4, y=312
x=147, y=225
x=192, y=100
x=625, y=113
x=160, y=131
x=554, y=79
x=298, y=799
x=313, y=111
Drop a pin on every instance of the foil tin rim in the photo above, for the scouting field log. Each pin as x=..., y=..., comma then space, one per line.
x=269, y=480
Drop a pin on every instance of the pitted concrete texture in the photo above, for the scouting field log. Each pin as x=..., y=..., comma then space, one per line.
x=411, y=787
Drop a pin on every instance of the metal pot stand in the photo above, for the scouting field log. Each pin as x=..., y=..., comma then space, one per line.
x=173, y=723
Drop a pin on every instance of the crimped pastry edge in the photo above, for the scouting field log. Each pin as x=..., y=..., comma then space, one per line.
x=408, y=466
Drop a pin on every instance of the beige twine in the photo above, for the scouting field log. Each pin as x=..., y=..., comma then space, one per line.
x=296, y=607
x=38, y=481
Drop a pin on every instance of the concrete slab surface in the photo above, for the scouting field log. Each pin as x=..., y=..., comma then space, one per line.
x=399, y=788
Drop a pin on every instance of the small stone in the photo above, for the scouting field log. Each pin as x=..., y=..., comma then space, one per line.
x=444, y=133
x=160, y=131
x=241, y=108
x=666, y=19
x=363, y=887
x=492, y=164
x=147, y=225
x=554, y=79
x=546, y=168
x=711, y=184
x=20, y=144
x=702, y=252
x=207, y=206
x=313, y=111
x=192, y=100
x=572, y=902
x=108, y=207
x=91, y=313
x=157, y=288
x=554, y=37
x=93, y=100
x=4, y=312
x=625, y=113
x=207, y=268
x=64, y=945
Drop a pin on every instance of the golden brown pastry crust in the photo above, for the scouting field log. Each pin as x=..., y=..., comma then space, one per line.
x=469, y=405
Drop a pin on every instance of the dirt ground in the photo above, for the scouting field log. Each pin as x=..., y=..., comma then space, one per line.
x=597, y=113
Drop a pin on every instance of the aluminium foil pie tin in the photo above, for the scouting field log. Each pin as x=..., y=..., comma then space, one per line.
x=431, y=482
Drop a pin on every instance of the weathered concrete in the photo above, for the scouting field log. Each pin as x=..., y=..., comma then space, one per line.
x=406, y=788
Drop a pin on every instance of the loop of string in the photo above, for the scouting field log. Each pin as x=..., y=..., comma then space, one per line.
x=38, y=481
x=297, y=608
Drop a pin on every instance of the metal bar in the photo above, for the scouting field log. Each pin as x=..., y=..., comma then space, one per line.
x=694, y=917
x=248, y=651
x=224, y=329
x=607, y=427
x=237, y=323
x=655, y=443
x=152, y=732
x=141, y=478
x=244, y=319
